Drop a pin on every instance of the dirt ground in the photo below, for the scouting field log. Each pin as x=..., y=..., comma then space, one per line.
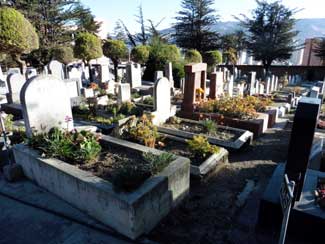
x=212, y=212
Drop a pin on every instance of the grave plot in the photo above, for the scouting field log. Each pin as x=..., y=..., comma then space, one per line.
x=306, y=215
x=228, y=137
x=132, y=187
x=205, y=158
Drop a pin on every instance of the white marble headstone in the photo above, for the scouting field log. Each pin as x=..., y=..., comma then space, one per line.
x=13, y=71
x=15, y=83
x=230, y=86
x=124, y=93
x=219, y=84
x=158, y=74
x=56, y=69
x=252, y=80
x=169, y=73
x=46, y=104
x=30, y=72
x=268, y=85
x=133, y=74
x=162, y=102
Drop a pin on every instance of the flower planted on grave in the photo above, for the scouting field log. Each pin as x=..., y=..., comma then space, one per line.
x=93, y=86
x=141, y=130
x=201, y=148
x=199, y=94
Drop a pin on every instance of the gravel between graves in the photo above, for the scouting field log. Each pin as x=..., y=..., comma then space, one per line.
x=210, y=213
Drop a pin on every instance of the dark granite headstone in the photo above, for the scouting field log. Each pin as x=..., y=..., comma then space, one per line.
x=301, y=140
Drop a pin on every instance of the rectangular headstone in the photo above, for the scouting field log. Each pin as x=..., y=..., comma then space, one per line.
x=169, y=73
x=252, y=80
x=158, y=74
x=230, y=86
x=268, y=85
x=216, y=85
x=15, y=83
x=301, y=141
x=45, y=104
x=124, y=93
x=133, y=74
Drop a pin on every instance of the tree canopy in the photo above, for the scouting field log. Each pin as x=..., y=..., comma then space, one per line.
x=193, y=56
x=87, y=47
x=64, y=54
x=140, y=54
x=271, y=34
x=17, y=35
x=320, y=49
x=194, y=26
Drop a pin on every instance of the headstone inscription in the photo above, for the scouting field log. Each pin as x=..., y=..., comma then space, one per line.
x=46, y=104
x=301, y=141
x=286, y=197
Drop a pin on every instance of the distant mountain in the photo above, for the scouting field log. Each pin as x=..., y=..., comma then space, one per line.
x=308, y=28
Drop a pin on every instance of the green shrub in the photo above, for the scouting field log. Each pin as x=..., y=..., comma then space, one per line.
x=148, y=101
x=64, y=54
x=87, y=47
x=213, y=58
x=201, y=148
x=210, y=126
x=73, y=147
x=17, y=35
x=132, y=174
x=193, y=56
x=140, y=54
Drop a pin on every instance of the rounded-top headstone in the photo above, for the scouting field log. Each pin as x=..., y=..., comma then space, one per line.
x=15, y=83
x=46, y=104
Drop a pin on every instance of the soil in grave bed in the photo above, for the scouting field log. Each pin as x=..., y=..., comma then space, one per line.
x=126, y=169
x=220, y=134
x=180, y=149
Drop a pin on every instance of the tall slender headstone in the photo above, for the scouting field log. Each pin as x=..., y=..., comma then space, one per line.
x=230, y=86
x=158, y=74
x=162, y=102
x=272, y=83
x=302, y=135
x=216, y=85
x=252, y=80
x=169, y=73
x=45, y=104
x=268, y=85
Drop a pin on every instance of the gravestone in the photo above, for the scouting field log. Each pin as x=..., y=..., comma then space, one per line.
x=235, y=73
x=87, y=92
x=252, y=80
x=13, y=71
x=268, y=85
x=230, y=86
x=169, y=73
x=301, y=141
x=124, y=93
x=241, y=88
x=261, y=90
x=30, y=72
x=162, y=102
x=56, y=69
x=216, y=85
x=15, y=83
x=276, y=83
x=314, y=92
x=76, y=74
x=72, y=86
x=1, y=75
x=195, y=78
x=46, y=104
x=158, y=74
x=272, y=83
x=133, y=74
x=257, y=87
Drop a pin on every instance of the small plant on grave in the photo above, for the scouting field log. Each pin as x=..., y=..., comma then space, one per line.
x=131, y=174
x=8, y=123
x=174, y=120
x=210, y=126
x=70, y=146
x=141, y=130
x=135, y=95
x=148, y=101
x=201, y=148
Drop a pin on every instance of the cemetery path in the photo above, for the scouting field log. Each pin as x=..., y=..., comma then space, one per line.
x=212, y=213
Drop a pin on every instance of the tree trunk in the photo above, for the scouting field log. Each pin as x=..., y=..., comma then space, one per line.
x=115, y=71
x=21, y=63
x=90, y=73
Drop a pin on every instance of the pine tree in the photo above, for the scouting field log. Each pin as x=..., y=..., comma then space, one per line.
x=271, y=32
x=195, y=22
x=320, y=49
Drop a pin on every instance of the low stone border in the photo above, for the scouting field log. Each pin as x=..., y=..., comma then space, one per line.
x=211, y=164
x=131, y=214
x=245, y=138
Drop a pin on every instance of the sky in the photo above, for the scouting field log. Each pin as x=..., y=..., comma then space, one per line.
x=110, y=11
